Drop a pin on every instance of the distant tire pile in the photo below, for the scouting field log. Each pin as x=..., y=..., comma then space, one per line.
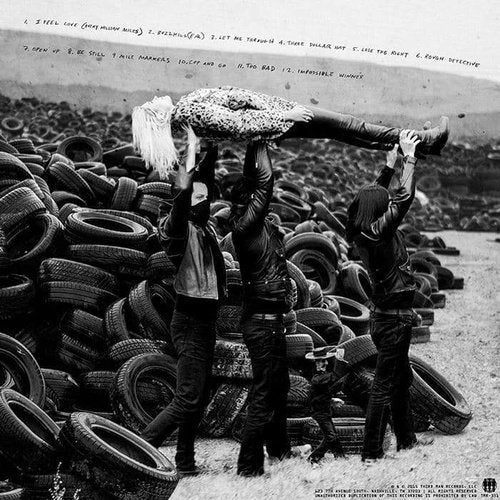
x=86, y=293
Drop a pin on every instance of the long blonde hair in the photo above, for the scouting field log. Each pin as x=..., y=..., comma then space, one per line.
x=152, y=134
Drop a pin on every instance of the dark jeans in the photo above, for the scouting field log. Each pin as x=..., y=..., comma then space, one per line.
x=194, y=341
x=330, y=438
x=345, y=128
x=266, y=412
x=391, y=334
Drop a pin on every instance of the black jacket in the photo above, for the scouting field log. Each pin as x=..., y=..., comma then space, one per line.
x=382, y=249
x=323, y=388
x=259, y=242
x=178, y=234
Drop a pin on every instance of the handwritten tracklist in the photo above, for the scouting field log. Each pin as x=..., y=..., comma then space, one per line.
x=249, y=41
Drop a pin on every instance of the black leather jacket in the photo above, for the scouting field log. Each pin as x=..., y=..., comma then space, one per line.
x=382, y=249
x=259, y=242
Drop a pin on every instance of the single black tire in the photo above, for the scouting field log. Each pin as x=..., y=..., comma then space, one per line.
x=17, y=206
x=328, y=217
x=420, y=334
x=80, y=148
x=445, y=278
x=124, y=195
x=68, y=179
x=355, y=315
x=76, y=295
x=57, y=269
x=100, y=228
x=64, y=388
x=33, y=240
x=83, y=326
x=115, y=459
x=319, y=268
x=28, y=436
x=318, y=319
x=223, y=409
x=358, y=350
x=312, y=241
x=77, y=356
x=95, y=388
x=108, y=257
x=318, y=340
x=42, y=486
x=17, y=296
x=297, y=346
x=122, y=351
x=152, y=306
x=299, y=397
x=24, y=369
x=303, y=296
x=427, y=316
x=356, y=283
x=124, y=397
x=431, y=394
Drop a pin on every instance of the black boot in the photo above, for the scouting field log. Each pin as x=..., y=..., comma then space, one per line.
x=337, y=449
x=434, y=139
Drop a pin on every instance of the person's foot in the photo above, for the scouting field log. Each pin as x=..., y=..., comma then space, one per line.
x=434, y=139
x=255, y=473
x=195, y=471
x=421, y=441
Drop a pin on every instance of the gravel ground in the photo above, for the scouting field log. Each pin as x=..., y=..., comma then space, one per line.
x=464, y=347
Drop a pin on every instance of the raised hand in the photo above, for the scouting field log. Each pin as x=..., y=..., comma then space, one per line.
x=299, y=114
x=408, y=140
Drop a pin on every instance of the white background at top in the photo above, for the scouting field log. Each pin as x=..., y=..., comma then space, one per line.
x=463, y=29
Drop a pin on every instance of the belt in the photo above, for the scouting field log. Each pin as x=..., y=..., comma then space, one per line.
x=392, y=311
x=267, y=316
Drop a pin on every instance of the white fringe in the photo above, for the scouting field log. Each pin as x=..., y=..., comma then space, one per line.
x=152, y=135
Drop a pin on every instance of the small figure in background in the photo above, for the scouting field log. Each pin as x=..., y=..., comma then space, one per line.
x=323, y=385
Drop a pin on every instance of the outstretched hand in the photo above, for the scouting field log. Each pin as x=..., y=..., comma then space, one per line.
x=408, y=140
x=299, y=114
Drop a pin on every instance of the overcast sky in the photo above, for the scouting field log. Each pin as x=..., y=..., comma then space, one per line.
x=461, y=29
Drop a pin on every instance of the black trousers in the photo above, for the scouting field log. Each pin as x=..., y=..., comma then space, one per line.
x=345, y=128
x=266, y=412
x=391, y=334
x=194, y=341
x=330, y=440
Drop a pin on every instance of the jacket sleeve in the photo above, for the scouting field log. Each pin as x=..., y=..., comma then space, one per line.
x=258, y=168
x=384, y=177
x=173, y=226
x=400, y=204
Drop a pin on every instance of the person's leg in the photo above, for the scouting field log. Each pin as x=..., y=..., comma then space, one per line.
x=275, y=433
x=346, y=128
x=329, y=437
x=352, y=130
x=259, y=342
x=384, y=329
x=400, y=402
x=194, y=342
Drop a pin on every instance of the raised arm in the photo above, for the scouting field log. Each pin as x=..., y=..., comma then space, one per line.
x=385, y=175
x=400, y=204
x=173, y=226
x=206, y=168
x=258, y=169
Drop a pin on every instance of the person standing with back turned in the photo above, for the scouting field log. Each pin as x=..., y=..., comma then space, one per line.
x=373, y=221
x=267, y=297
x=200, y=282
